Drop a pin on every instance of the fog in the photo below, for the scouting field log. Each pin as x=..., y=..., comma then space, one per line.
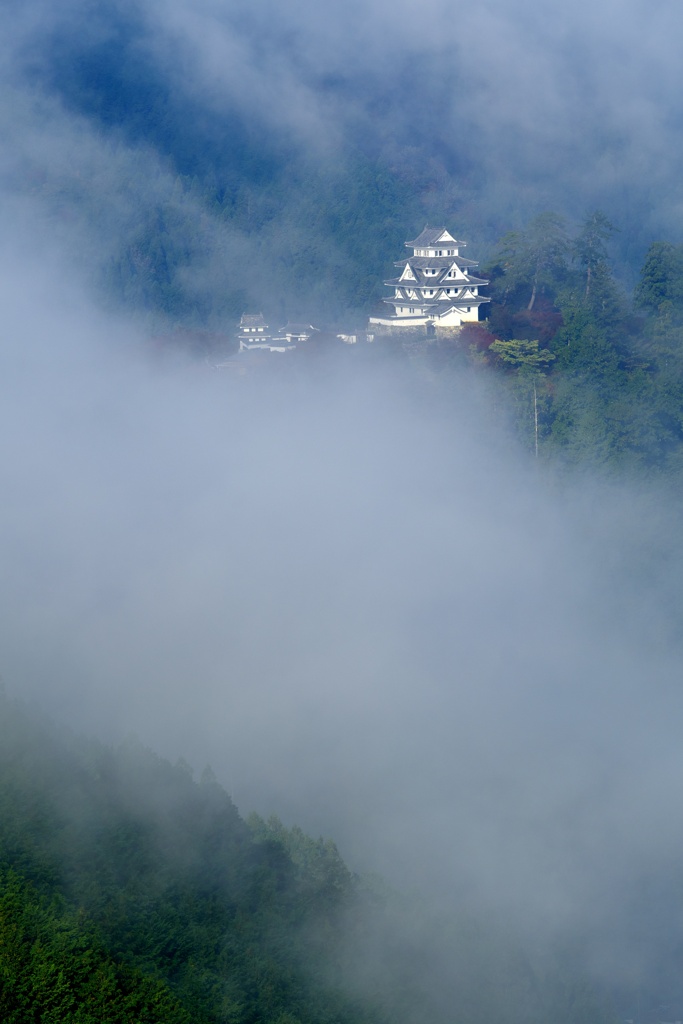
x=355, y=599
x=349, y=592
x=502, y=110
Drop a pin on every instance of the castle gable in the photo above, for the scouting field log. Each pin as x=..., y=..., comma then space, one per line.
x=433, y=236
x=435, y=286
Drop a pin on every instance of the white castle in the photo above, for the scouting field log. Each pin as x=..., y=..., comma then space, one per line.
x=435, y=287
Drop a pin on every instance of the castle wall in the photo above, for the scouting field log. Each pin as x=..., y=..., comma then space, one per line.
x=417, y=314
x=405, y=332
x=448, y=333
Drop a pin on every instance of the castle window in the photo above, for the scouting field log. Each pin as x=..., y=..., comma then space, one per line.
x=428, y=282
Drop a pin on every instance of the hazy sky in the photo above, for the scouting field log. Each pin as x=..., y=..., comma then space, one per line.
x=569, y=107
x=367, y=611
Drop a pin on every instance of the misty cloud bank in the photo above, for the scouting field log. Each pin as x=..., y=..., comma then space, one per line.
x=355, y=600
x=486, y=114
x=586, y=95
x=362, y=606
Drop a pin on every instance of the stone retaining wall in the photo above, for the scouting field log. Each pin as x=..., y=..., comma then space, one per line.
x=416, y=333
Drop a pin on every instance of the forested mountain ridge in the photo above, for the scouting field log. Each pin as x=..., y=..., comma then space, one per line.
x=594, y=376
x=199, y=213
x=197, y=217
x=289, y=170
x=129, y=892
x=199, y=210
x=334, y=571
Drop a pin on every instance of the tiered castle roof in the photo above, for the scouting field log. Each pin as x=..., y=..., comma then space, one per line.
x=433, y=237
x=435, y=283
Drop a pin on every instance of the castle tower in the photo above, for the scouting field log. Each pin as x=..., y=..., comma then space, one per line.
x=435, y=288
x=253, y=332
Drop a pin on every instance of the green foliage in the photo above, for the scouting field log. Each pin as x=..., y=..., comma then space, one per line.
x=528, y=364
x=131, y=893
x=661, y=279
x=590, y=245
x=609, y=392
x=523, y=356
x=534, y=260
x=54, y=969
x=302, y=242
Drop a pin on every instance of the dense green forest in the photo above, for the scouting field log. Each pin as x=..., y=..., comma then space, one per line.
x=198, y=214
x=584, y=373
x=592, y=375
x=190, y=211
x=131, y=892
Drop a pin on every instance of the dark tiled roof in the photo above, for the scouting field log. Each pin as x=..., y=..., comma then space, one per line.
x=297, y=328
x=435, y=262
x=436, y=281
x=429, y=236
x=421, y=280
x=434, y=284
x=252, y=320
x=441, y=306
x=438, y=304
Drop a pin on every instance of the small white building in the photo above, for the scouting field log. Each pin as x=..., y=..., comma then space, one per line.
x=297, y=332
x=436, y=286
x=254, y=334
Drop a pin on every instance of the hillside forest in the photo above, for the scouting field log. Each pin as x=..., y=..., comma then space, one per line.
x=180, y=169
x=594, y=376
x=129, y=892
x=186, y=213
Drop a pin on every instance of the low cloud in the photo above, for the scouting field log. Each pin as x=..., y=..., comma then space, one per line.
x=349, y=592
x=358, y=602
